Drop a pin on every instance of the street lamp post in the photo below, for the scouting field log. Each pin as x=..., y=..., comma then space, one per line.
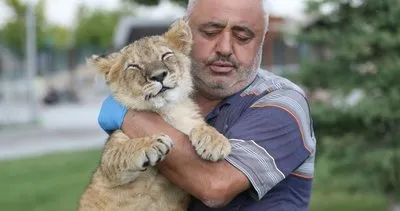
x=30, y=62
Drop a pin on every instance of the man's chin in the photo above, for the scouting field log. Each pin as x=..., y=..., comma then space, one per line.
x=219, y=91
x=220, y=84
x=220, y=88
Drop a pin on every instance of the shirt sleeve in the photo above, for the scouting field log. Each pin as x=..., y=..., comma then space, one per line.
x=270, y=140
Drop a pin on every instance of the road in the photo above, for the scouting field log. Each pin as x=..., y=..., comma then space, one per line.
x=64, y=127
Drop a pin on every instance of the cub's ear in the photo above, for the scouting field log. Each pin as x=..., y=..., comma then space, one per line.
x=180, y=36
x=101, y=63
x=104, y=64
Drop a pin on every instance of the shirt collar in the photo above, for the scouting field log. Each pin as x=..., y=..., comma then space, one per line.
x=227, y=102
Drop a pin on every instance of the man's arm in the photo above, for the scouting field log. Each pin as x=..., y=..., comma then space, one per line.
x=215, y=184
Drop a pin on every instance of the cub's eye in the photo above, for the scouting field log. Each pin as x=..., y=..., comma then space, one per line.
x=133, y=67
x=166, y=55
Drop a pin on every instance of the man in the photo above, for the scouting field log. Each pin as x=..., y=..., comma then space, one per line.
x=266, y=118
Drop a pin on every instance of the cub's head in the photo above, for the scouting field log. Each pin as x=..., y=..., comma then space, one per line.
x=152, y=71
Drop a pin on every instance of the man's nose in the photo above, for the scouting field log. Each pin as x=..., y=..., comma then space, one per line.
x=224, y=45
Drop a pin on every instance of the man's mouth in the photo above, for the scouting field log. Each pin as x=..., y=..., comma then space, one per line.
x=221, y=67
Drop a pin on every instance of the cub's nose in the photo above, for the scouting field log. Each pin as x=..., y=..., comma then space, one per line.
x=159, y=77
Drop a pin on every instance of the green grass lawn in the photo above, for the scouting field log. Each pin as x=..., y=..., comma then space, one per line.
x=55, y=182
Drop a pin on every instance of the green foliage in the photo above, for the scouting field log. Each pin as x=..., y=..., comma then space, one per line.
x=95, y=28
x=58, y=37
x=13, y=33
x=357, y=46
x=18, y=7
x=47, y=35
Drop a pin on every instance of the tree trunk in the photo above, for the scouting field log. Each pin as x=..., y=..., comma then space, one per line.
x=393, y=202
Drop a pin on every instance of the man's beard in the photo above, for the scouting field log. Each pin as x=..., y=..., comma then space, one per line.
x=242, y=73
x=215, y=89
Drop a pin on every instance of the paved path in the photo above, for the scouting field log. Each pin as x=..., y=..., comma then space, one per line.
x=63, y=128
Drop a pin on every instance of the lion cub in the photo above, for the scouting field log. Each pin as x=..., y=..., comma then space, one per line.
x=151, y=74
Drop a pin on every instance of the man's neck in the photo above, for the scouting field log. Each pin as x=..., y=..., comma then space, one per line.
x=206, y=104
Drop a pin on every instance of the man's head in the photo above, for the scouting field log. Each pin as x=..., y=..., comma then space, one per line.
x=227, y=44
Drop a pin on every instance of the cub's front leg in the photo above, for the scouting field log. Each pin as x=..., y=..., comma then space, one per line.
x=123, y=159
x=209, y=143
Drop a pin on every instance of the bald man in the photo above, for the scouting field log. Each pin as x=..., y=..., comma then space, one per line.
x=266, y=118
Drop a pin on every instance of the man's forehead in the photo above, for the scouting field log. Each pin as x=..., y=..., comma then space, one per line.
x=229, y=13
x=224, y=23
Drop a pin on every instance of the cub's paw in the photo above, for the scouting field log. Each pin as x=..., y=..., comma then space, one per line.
x=209, y=143
x=153, y=151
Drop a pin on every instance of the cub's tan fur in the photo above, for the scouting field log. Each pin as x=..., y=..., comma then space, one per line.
x=153, y=74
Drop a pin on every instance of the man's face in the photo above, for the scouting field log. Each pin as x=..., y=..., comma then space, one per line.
x=227, y=37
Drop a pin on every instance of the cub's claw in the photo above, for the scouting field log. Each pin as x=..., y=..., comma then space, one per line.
x=156, y=151
x=209, y=144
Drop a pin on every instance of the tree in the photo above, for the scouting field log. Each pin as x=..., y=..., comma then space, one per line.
x=357, y=46
x=13, y=33
x=58, y=37
x=154, y=2
x=95, y=28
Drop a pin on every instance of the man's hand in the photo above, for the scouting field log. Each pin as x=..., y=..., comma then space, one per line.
x=214, y=183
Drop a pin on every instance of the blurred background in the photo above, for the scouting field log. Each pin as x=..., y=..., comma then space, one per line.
x=344, y=53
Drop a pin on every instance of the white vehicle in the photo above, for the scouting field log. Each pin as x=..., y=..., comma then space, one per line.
x=130, y=29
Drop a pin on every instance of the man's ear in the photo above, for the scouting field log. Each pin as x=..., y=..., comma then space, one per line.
x=180, y=36
x=104, y=64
